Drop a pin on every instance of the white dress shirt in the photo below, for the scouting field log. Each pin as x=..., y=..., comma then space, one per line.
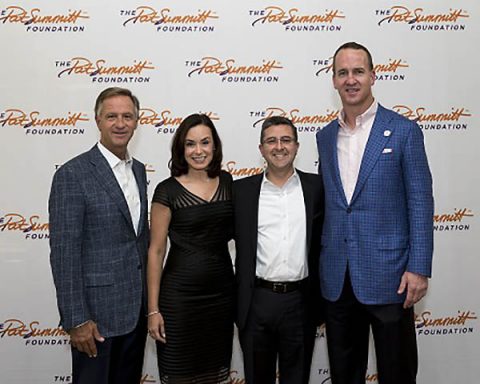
x=282, y=232
x=122, y=169
x=351, y=145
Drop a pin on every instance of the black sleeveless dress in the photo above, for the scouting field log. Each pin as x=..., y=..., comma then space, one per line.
x=197, y=285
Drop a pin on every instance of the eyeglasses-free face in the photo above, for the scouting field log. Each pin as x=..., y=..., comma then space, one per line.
x=199, y=147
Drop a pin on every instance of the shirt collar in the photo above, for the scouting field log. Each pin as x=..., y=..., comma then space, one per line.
x=112, y=159
x=368, y=114
x=293, y=178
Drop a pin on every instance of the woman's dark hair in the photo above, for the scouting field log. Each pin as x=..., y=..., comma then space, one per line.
x=178, y=165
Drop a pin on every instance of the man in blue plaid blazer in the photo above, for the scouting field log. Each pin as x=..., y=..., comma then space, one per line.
x=377, y=239
x=99, y=239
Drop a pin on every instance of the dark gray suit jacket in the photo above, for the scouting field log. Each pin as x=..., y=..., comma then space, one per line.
x=246, y=194
x=98, y=262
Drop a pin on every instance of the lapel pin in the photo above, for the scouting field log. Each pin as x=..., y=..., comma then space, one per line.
x=387, y=133
x=387, y=150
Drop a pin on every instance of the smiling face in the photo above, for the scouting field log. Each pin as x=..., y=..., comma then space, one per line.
x=199, y=147
x=116, y=121
x=353, y=79
x=279, y=148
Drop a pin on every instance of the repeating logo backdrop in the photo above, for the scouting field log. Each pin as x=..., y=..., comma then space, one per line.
x=238, y=62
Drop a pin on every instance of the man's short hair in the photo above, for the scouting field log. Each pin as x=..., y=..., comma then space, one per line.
x=115, y=91
x=278, y=120
x=354, y=45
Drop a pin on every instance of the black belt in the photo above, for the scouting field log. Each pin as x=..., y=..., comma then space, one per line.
x=278, y=286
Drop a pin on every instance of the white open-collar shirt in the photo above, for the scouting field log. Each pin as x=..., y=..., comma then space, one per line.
x=351, y=145
x=122, y=169
x=282, y=232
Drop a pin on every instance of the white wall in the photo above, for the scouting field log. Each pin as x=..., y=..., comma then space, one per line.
x=47, y=71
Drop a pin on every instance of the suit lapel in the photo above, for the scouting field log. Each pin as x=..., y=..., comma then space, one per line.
x=308, y=200
x=333, y=163
x=376, y=143
x=106, y=178
x=138, y=171
x=253, y=199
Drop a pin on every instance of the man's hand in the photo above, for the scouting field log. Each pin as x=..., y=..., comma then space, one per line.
x=83, y=338
x=416, y=286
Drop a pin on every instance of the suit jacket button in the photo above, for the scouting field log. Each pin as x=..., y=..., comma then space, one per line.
x=349, y=210
x=139, y=266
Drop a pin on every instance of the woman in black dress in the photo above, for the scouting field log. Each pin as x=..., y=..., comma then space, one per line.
x=190, y=298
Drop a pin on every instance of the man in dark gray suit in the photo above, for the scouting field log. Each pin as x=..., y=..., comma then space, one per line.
x=99, y=240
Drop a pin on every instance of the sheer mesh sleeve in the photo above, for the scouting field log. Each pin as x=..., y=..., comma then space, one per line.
x=161, y=194
x=225, y=190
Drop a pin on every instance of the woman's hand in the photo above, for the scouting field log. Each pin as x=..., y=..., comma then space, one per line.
x=156, y=327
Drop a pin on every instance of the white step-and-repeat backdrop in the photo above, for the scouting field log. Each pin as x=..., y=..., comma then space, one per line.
x=239, y=62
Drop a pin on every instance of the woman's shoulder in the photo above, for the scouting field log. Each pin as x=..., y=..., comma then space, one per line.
x=164, y=190
x=225, y=176
x=165, y=183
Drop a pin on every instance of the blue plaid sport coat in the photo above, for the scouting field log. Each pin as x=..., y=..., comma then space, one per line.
x=98, y=261
x=387, y=228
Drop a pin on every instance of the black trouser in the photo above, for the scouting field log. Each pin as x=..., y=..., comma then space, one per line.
x=278, y=325
x=348, y=326
x=119, y=359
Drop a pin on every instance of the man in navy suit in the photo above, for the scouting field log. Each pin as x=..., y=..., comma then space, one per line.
x=277, y=214
x=377, y=239
x=98, y=240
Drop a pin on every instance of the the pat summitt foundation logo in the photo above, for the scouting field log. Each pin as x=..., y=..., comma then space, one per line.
x=233, y=71
x=422, y=19
x=33, y=227
x=167, y=20
x=393, y=69
x=101, y=70
x=146, y=378
x=456, y=220
x=33, y=333
x=297, y=20
x=36, y=122
x=456, y=119
x=165, y=121
x=433, y=324
x=40, y=21
x=305, y=122
x=238, y=171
